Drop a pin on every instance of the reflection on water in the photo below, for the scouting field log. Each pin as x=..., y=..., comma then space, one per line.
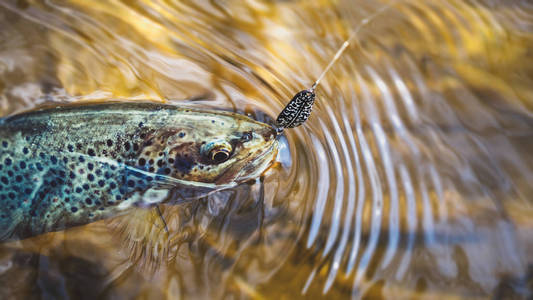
x=412, y=177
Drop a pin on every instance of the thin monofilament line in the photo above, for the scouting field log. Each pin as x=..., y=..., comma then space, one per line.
x=298, y=110
x=348, y=40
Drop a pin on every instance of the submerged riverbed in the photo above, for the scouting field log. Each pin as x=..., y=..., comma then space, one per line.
x=413, y=176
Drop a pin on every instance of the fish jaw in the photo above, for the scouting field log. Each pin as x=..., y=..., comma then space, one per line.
x=257, y=166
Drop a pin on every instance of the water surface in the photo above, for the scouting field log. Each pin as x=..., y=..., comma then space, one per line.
x=413, y=177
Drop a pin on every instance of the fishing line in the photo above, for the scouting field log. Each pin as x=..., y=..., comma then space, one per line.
x=298, y=110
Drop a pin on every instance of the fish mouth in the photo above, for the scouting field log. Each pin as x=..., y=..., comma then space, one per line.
x=257, y=166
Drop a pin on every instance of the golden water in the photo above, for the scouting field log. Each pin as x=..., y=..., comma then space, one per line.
x=412, y=178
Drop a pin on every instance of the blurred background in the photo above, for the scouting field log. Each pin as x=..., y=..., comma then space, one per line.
x=412, y=178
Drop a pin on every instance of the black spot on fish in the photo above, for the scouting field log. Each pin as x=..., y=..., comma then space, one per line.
x=142, y=161
x=5, y=144
x=131, y=183
x=101, y=183
x=25, y=150
x=181, y=134
x=85, y=186
x=53, y=159
x=81, y=159
x=88, y=201
x=22, y=165
x=109, y=143
x=18, y=178
x=42, y=155
x=4, y=180
x=74, y=209
x=79, y=190
x=91, y=152
x=90, y=177
x=112, y=185
x=70, y=148
x=8, y=161
x=90, y=166
x=183, y=164
x=127, y=146
x=39, y=166
x=135, y=147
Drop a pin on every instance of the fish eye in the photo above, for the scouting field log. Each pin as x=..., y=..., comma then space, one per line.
x=219, y=155
x=217, y=151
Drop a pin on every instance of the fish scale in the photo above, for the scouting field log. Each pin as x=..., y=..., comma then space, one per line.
x=74, y=165
x=57, y=186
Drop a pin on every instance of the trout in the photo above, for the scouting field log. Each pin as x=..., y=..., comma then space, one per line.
x=73, y=165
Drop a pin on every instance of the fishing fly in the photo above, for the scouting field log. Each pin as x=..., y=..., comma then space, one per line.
x=298, y=110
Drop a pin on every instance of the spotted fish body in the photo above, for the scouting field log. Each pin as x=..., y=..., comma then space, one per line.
x=73, y=165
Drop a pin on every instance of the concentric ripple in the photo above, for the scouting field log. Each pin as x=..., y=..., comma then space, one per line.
x=411, y=178
x=419, y=152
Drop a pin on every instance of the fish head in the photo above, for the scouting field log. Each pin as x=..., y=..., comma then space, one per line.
x=214, y=148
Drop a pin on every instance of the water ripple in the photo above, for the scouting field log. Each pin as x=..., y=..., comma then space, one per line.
x=322, y=193
x=407, y=157
x=412, y=176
